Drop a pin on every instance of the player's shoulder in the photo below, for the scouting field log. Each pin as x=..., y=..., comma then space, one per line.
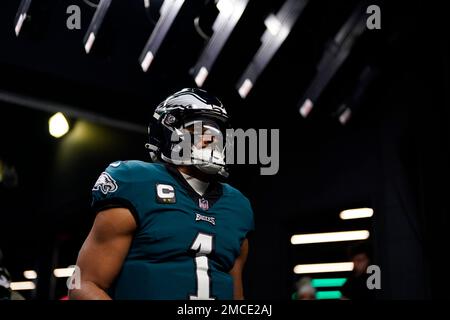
x=134, y=170
x=235, y=193
x=242, y=204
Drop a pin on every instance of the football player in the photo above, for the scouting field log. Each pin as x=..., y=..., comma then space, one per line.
x=169, y=229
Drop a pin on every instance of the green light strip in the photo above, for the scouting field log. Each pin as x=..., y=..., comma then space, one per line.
x=321, y=295
x=330, y=282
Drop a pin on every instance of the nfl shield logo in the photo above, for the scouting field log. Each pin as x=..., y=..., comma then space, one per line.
x=203, y=204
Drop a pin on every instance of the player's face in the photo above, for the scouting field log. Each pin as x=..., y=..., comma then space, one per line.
x=205, y=135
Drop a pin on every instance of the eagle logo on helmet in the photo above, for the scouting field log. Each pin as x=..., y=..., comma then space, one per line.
x=105, y=183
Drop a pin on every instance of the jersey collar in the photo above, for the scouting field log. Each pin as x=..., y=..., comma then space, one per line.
x=212, y=193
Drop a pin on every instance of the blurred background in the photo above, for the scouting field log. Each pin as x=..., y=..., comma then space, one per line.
x=363, y=114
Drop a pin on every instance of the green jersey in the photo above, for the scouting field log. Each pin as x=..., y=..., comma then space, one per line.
x=185, y=244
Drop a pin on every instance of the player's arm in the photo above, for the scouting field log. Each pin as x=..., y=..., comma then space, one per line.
x=103, y=252
x=236, y=272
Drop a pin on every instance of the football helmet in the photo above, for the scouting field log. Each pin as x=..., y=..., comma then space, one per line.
x=180, y=121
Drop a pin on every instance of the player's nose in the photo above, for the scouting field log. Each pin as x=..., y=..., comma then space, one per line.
x=207, y=140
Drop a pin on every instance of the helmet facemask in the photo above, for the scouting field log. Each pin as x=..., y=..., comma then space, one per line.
x=201, y=143
x=207, y=148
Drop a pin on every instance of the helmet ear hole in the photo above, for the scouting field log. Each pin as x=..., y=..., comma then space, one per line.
x=170, y=120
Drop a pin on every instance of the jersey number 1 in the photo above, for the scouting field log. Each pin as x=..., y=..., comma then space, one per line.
x=203, y=245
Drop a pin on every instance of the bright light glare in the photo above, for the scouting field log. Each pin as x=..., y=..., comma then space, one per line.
x=328, y=282
x=345, y=116
x=306, y=108
x=201, y=76
x=323, y=267
x=147, y=61
x=356, y=213
x=89, y=42
x=30, y=274
x=58, y=125
x=20, y=23
x=225, y=7
x=321, y=295
x=63, y=272
x=23, y=285
x=330, y=237
x=273, y=24
x=245, y=88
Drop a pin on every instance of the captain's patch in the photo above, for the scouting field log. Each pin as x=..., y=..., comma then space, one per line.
x=165, y=193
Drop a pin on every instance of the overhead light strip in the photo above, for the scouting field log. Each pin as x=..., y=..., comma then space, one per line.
x=323, y=267
x=330, y=237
